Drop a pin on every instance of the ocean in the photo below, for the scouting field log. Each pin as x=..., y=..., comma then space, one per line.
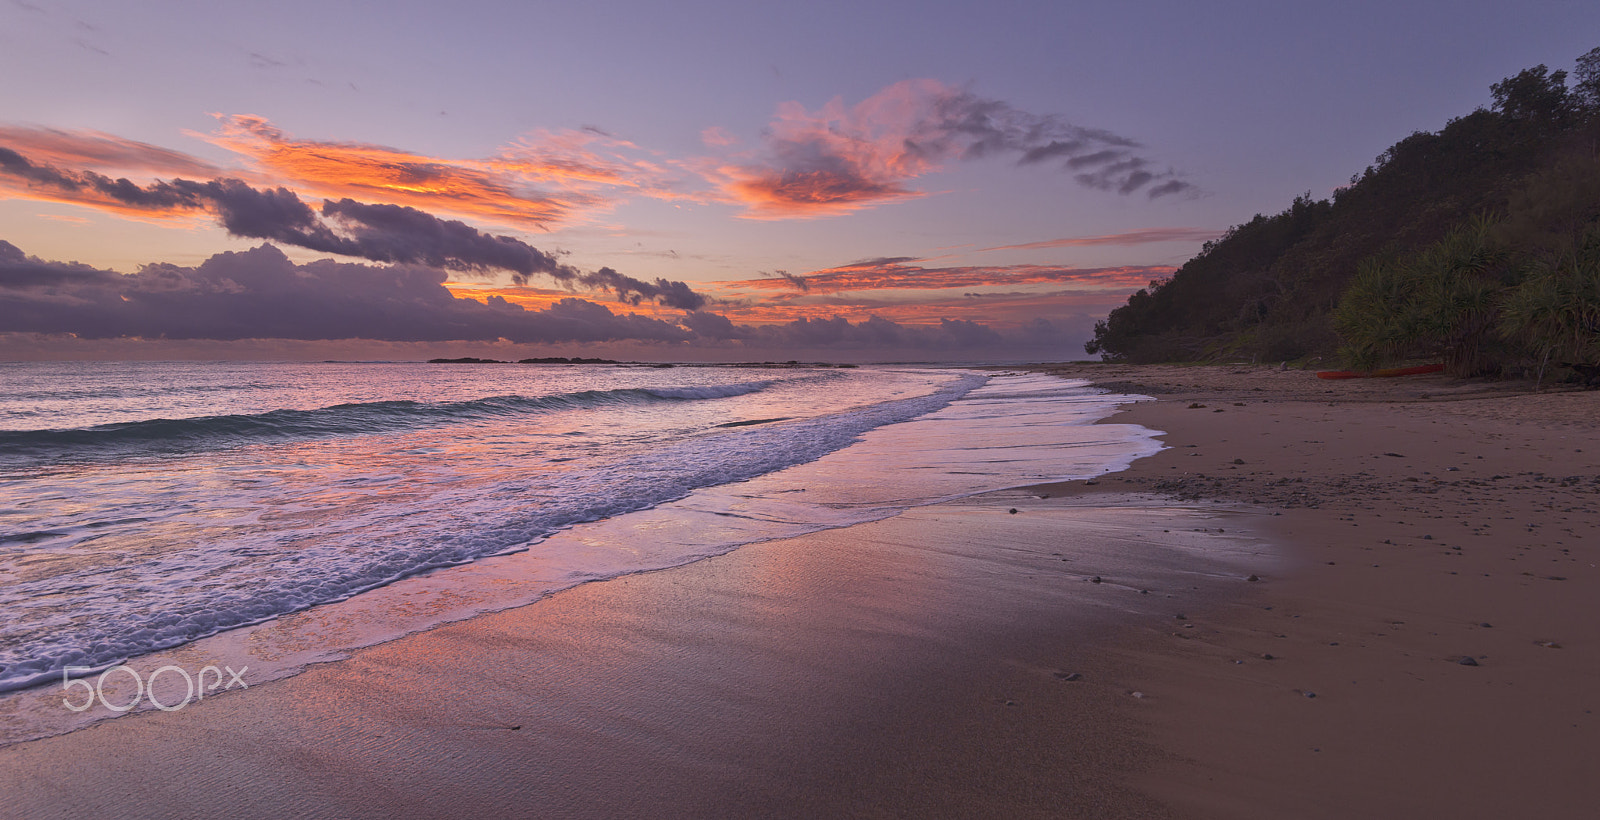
x=147, y=506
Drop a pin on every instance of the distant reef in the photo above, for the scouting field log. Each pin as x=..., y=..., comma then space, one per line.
x=540, y=360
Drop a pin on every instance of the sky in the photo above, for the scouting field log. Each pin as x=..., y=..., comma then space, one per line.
x=862, y=181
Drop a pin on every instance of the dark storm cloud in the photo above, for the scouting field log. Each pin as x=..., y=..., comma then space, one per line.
x=378, y=232
x=993, y=127
x=631, y=290
x=261, y=294
x=795, y=279
x=399, y=233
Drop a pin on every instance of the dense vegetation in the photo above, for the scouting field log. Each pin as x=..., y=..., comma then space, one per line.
x=1478, y=245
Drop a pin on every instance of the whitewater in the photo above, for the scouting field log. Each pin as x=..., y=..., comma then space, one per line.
x=145, y=506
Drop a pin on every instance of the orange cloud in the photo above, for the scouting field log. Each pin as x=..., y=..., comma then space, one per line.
x=837, y=160
x=542, y=180
x=998, y=310
x=879, y=274
x=532, y=298
x=1140, y=237
x=28, y=170
x=373, y=172
x=101, y=152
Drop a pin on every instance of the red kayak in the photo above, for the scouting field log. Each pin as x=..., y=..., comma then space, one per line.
x=1393, y=371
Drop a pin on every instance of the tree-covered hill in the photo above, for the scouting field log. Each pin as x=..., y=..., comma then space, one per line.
x=1525, y=171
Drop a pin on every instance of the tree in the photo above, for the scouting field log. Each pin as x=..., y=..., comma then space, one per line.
x=1534, y=94
x=1555, y=312
x=1586, y=86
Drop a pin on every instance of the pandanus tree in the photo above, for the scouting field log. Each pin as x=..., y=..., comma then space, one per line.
x=1555, y=311
x=1441, y=301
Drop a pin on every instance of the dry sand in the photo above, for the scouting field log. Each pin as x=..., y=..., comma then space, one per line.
x=923, y=666
x=1428, y=521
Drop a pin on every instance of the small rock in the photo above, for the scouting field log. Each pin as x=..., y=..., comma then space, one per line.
x=1196, y=406
x=1095, y=580
x=1267, y=656
x=1238, y=461
x=1181, y=617
x=1013, y=511
x=1467, y=660
x=1486, y=625
x=1309, y=694
x=1253, y=578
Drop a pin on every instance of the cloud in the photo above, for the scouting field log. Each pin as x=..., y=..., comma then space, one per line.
x=56, y=308
x=377, y=232
x=895, y=274
x=1143, y=236
x=101, y=152
x=261, y=294
x=543, y=180
x=838, y=160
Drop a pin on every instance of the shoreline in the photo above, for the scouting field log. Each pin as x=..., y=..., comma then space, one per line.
x=893, y=667
x=935, y=661
x=961, y=660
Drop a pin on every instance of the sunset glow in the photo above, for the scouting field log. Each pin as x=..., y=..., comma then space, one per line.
x=665, y=167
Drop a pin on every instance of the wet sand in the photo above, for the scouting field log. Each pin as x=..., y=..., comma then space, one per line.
x=961, y=660
x=939, y=663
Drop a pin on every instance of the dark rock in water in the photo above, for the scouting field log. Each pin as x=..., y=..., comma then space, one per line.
x=1181, y=617
x=1486, y=625
x=1467, y=661
x=1253, y=578
x=1095, y=580
x=1309, y=694
x=1196, y=406
x=1267, y=656
x=1013, y=510
x=1238, y=461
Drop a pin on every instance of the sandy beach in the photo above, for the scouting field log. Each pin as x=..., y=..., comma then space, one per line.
x=1440, y=601
x=1357, y=599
